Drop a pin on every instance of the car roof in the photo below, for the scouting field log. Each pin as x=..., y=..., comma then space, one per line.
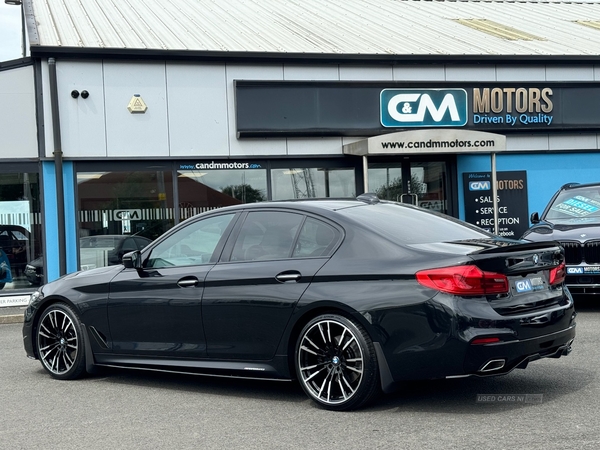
x=14, y=228
x=312, y=205
x=579, y=185
x=329, y=204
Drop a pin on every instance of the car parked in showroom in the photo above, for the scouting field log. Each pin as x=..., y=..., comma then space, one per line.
x=14, y=241
x=572, y=217
x=349, y=297
x=95, y=251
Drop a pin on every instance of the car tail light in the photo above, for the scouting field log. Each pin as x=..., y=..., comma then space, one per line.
x=463, y=280
x=557, y=275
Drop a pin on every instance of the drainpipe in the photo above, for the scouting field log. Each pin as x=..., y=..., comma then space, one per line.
x=58, y=168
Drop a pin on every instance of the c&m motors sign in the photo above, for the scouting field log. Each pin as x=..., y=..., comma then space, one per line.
x=424, y=108
x=370, y=108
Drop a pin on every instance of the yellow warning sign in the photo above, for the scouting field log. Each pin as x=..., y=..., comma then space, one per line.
x=137, y=104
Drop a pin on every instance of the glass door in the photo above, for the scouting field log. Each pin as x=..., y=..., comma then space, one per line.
x=428, y=185
x=406, y=180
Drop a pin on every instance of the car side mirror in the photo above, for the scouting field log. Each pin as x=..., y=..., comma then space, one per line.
x=132, y=260
x=535, y=218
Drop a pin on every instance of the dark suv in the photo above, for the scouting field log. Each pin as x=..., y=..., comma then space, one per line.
x=572, y=218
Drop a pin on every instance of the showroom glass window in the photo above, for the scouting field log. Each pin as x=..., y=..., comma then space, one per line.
x=20, y=229
x=211, y=185
x=312, y=182
x=119, y=205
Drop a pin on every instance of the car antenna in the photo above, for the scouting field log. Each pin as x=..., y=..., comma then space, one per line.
x=368, y=197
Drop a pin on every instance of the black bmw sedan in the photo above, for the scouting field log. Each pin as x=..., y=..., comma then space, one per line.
x=349, y=297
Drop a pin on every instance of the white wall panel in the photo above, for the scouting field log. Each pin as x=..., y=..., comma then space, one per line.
x=130, y=135
x=570, y=73
x=574, y=141
x=527, y=142
x=251, y=147
x=520, y=73
x=470, y=73
x=419, y=73
x=292, y=72
x=82, y=124
x=197, y=102
x=365, y=73
x=191, y=107
x=18, y=130
x=315, y=146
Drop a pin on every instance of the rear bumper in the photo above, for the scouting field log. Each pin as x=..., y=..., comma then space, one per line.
x=446, y=337
x=502, y=357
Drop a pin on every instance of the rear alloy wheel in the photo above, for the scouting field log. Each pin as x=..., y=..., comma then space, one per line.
x=336, y=363
x=60, y=342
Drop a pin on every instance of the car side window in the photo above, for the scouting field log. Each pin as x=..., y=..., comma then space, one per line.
x=266, y=235
x=191, y=245
x=316, y=239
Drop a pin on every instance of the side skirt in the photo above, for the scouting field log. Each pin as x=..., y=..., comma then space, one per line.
x=229, y=369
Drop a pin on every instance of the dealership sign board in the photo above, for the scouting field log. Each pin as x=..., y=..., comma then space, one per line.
x=329, y=108
x=511, y=188
x=428, y=141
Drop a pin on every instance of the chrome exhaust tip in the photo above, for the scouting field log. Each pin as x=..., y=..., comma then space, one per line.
x=492, y=365
x=568, y=349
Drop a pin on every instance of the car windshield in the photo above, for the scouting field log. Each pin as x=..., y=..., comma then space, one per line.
x=575, y=206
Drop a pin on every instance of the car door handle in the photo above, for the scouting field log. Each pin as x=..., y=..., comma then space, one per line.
x=290, y=275
x=188, y=282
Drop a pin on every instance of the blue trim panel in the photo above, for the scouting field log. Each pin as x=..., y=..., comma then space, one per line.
x=546, y=172
x=52, y=266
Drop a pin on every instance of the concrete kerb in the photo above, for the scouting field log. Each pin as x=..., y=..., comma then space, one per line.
x=12, y=314
x=11, y=318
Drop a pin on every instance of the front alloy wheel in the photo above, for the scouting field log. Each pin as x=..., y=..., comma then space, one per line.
x=336, y=363
x=60, y=342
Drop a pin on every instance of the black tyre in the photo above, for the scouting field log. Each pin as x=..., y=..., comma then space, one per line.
x=60, y=342
x=336, y=363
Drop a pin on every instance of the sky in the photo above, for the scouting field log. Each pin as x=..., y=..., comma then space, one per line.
x=10, y=32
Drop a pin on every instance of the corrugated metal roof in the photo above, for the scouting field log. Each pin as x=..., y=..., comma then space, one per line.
x=337, y=27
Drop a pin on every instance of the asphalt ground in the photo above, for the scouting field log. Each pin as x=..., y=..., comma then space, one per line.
x=553, y=404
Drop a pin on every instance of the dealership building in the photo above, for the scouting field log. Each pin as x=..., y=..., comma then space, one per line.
x=125, y=118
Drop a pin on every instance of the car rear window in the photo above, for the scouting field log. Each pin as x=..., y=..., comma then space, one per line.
x=407, y=225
